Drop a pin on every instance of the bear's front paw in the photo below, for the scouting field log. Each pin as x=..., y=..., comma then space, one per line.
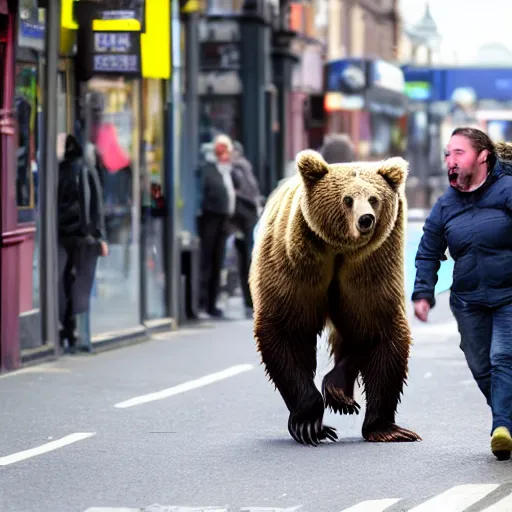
x=336, y=400
x=389, y=433
x=306, y=426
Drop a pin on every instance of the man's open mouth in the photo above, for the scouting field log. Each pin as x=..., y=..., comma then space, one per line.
x=452, y=176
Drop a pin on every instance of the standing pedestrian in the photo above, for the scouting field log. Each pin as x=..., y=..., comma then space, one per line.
x=245, y=217
x=473, y=219
x=81, y=234
x=218, y=199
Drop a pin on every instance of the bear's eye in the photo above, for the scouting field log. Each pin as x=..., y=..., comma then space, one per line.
x=373, y=201
x=348, y=201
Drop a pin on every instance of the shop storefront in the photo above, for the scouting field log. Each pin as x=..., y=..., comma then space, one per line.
x=10, y=236
x=129, y=286
x=115, y=106
x=29, y=107
x=127, y=109
x=153, y=208
x=123, y=114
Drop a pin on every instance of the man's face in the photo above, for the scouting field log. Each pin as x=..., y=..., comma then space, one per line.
x=222, y=153
x=462, y=162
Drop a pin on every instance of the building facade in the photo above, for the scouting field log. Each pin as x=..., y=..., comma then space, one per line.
x=126, y=106
x=365, y=89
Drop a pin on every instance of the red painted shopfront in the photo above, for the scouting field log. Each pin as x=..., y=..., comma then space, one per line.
x=12, y=235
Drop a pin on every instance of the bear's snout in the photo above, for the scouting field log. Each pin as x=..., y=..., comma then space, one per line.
x=366, y=222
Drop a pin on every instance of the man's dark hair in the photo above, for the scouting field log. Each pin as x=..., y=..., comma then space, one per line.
x=338, y=148
x=479, y=141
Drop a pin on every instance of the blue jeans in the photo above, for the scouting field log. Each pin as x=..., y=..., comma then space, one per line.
x=486, y=340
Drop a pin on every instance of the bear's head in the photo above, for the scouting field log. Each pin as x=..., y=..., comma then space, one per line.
x=351, y=205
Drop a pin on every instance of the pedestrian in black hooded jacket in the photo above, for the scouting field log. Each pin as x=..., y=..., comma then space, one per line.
x=81, y=235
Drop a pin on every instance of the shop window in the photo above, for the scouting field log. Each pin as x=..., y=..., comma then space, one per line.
x=114, y=131
x=25, y=106
x=153, y=200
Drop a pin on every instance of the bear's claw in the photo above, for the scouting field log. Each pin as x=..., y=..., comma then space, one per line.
x=391, y=434
x=336, y=400
x=311, y=434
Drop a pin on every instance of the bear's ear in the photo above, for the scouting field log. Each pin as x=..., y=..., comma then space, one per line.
x=311, y=165
x=394, y=171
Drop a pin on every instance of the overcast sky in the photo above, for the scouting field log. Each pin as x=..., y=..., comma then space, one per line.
x=465, y=25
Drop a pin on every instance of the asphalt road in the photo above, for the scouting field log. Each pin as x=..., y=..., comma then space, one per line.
x=219, y=440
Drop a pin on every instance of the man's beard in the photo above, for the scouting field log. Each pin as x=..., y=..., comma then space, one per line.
x=460, y=179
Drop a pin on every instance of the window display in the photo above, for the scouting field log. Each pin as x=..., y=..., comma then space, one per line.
x=113, y=109
x=153, y=202
x=25, y=106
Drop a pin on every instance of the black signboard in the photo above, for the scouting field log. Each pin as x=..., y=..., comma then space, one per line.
x=116, y=53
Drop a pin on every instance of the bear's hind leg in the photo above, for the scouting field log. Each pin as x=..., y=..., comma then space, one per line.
x=290, y=360
x=384, y=372
x=338, y=384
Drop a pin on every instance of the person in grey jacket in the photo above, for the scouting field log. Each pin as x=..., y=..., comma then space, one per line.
x=245, y=217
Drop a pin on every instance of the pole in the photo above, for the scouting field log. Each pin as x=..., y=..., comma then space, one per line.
x=191, y=152
x=48, y=180
x=173, y=161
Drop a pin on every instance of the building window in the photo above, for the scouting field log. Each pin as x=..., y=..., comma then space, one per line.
x=25, y=106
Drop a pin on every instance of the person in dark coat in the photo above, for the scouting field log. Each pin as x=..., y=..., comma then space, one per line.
x=81, y=235
x=245, y=217
x=473, y=219
x=217, y=207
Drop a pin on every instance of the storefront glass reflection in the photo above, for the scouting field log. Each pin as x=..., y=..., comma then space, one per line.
x=153, y=205
x=25, y=105
x=115, y=301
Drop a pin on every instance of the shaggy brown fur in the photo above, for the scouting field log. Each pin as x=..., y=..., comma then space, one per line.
x=503, y=150
x=314, y=267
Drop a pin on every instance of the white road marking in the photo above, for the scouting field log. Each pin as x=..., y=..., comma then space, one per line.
x=35, y=369
x=456, y=499
x=270, y=509
x=45, y=448
x=504, y=505
x=103, y=509
x=177, y=508
x=185, y=386
x=427, y=375
x=158, y=508
x=373, y=505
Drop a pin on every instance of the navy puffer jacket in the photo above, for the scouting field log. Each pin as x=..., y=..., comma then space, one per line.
x=477, y=229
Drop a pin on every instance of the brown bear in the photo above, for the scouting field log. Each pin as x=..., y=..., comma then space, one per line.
x=330, y=253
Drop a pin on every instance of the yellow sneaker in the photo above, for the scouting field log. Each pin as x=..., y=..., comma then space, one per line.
x=501, y=443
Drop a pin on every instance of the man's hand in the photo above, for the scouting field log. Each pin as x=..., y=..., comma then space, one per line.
x=103, y=248
x=421, y=309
